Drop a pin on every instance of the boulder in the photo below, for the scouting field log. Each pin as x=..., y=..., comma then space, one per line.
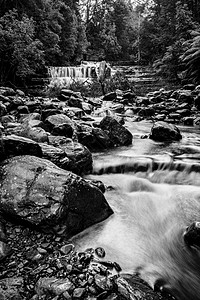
x=13, y=145
x=162, y=131
x=118, y=134
x=36, y=192
x=188, y=121
x=71, y=156
x=60, y=124
x=75, y=102
x=36, y=134
x=132, y=287
x=110, y=96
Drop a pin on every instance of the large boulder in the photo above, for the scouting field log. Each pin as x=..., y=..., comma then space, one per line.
x=162, y=131
x=37, y=192
x=118, y=134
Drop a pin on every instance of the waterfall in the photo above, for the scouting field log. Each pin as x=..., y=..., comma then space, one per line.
x=85, y=72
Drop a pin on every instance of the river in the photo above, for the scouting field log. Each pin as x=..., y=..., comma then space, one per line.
x=154, y=190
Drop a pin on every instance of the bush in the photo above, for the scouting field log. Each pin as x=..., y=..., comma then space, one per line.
x=92, y=87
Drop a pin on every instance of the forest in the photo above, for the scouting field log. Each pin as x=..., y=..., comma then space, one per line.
x=40, y=33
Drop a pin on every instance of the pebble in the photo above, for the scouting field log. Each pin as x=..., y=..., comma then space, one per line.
x=100, y=252
x=78, y=293
x=66, y=249
x=41, y=250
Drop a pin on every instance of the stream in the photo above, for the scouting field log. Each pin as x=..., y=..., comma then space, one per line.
x=154, y=191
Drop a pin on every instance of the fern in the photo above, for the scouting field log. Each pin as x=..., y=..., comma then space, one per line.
x=191, y=58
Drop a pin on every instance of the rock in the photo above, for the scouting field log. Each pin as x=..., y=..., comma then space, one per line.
x=11, y=288
x=132, y=287
x=16, y=145
x=192, y=234
x=188, y=121
x=22, y=109
x=53, y=285
x=197, y=122
x=118, y=134
x=162, y=131
x=146, y=112
x=197, y=102
x=75, y=102
x=5, y=250
x=6, y=91
x=77, y=159
x=36, y=134
x=189, y=87
x=100, y=252
x=60, y=124
x=118, y=108
x=66, y=249
x=103, y=282
x=37, y=192
x=185, y=96
x=78, y=293
x=110, y=96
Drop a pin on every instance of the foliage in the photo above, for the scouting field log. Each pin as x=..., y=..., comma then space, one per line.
x=191, y=58
x=20, y=52
x=92, y=87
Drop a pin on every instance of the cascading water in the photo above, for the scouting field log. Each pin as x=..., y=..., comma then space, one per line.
x=63, y=76
x=154, y=190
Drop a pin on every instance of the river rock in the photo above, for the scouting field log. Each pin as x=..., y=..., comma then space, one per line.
x=53, y=285
x=37, y=192
x=197, y=122
x=118, y=134
x=78, y=158
x=11, y=288
x=192, y=234
x=75, y=102
x=132, y=287
x=59, y=124
x=12, y=145
x=162, y=131
x=36, y=134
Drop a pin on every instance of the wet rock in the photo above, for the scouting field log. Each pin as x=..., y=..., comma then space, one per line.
x=11, y=288
x=118, y=134
x=77, y=159
x=66, y=249
x=5, y=250
x=100, y=252
x=192, y=234
x=36, y=191
x=132, y=287
x=146, y=112
x=197, y=122
x=36, y=134
x=188, y=121
x=16, y=145
x=162, y=131
x=53, y=285
x=110, y=96
x=59, y=124
x=78, y=293
x=75, y=102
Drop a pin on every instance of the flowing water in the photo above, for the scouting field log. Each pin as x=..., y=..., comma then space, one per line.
x=154, y=190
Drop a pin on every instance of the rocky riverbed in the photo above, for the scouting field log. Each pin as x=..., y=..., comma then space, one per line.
x=46, y=148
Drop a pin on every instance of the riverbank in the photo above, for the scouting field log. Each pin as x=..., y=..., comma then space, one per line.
x=60, y=134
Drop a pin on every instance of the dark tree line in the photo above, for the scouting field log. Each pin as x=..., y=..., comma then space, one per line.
x=39, y=33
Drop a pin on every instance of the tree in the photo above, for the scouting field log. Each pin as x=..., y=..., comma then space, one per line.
x=20, y=51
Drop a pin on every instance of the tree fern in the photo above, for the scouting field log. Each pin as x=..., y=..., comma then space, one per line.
x=191, y=58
